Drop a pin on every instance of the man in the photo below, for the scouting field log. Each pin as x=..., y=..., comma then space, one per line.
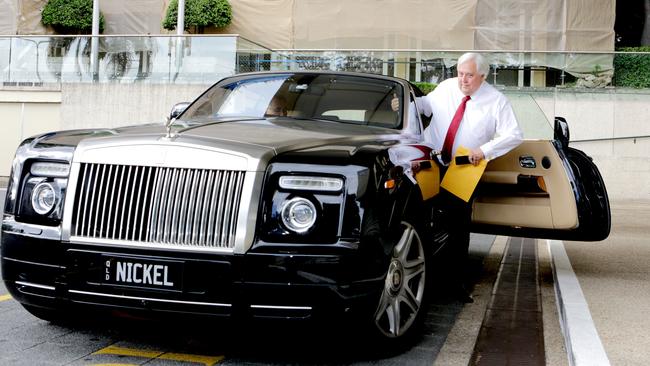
x=467, y=111
x=277, y=107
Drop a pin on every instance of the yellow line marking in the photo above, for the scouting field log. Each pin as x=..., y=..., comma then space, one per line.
x=5, y=297
x=206, y=360
x=182, y=357
x=122, y=351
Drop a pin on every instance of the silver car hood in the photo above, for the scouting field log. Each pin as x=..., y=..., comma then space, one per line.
x=241, y=145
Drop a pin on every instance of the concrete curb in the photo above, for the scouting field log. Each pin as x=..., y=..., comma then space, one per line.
x=582, y=341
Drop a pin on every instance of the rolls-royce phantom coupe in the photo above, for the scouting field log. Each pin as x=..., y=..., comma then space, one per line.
x=274, y=194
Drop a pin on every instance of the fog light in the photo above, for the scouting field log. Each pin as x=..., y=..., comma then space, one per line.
x=43, y=198
x=298, y=215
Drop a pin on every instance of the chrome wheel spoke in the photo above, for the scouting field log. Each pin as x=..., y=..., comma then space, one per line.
x=403, y=247
x=412, y=271
x=410, y=300
x=384, y=304
x=393, y=313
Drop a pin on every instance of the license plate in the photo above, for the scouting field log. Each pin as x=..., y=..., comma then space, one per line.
x=139, y=272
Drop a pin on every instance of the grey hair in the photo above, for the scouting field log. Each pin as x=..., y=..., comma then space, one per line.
x=482, y=65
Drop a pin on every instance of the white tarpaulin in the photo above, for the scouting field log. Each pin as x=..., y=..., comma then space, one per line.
x=8, y=16
x=133, y=16
x=508, y=25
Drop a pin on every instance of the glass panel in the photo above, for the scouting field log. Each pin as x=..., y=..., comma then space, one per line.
x=533, y=121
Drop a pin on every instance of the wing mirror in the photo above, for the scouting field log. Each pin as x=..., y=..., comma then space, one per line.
x=561, y=132
x=178, y=109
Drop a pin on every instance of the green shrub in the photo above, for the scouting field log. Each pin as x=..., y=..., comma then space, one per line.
x=70, y=16
x=425, y=87
x=632, y=70
x=199, y=14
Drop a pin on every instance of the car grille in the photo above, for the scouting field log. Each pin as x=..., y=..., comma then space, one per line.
x=159, y=205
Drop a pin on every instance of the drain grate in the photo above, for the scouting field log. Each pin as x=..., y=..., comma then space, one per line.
x=512, y=332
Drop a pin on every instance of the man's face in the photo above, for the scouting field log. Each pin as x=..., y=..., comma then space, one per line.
x=469, y=79
x=276, y=108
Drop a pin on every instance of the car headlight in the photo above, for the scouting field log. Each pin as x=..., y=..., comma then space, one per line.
x=298, y=215
x=43, y=193
x=44, y=198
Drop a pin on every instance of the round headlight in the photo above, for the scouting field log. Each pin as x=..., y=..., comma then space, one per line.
x=298, y=214
x=43, y=198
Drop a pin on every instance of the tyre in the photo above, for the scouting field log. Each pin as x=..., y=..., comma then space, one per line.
x=400, y=310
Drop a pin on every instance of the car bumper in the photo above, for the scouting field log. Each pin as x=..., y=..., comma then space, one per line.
x=57, y=275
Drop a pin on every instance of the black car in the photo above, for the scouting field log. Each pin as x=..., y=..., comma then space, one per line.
x=281, y=194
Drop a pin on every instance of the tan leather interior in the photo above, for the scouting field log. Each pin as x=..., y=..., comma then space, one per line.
x=534, y=197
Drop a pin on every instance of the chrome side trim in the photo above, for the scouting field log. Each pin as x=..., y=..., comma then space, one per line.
x=281, y=307
x=251, y=191
x=10, y=225
x=216, y=304
x=33, y=263
x=29, y=284
x=148, y=245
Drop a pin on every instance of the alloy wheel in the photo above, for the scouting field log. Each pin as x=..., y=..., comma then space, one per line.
x=401, y=299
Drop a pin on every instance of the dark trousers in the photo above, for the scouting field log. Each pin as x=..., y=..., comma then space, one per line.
x=458, y=219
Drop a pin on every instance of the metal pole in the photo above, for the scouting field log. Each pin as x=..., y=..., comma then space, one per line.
x=180, y=21
x=180, y=29
x=94, y=45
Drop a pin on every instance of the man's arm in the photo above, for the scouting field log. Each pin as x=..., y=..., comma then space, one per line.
x=508, y=134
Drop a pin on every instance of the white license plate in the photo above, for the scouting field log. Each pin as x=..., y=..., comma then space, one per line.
x=139, y=272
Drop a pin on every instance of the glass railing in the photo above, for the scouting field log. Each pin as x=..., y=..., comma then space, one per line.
x=154, y=59
x=204, y=59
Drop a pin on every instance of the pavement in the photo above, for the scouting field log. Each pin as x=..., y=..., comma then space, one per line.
x=615, y=278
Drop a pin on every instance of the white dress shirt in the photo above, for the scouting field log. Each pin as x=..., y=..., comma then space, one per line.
x=489, y=122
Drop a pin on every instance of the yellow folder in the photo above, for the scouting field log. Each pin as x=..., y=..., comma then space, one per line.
x=461, y=180
x=429, y=181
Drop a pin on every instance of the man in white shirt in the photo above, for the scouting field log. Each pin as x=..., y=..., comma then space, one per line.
x=487, y=127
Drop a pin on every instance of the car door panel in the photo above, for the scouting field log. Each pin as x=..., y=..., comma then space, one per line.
x=521, y=195
x=541, y=190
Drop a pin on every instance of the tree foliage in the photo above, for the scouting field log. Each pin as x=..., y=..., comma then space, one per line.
x=199, y=14
x=632, y=70
x=426, y=88
x=70, y=16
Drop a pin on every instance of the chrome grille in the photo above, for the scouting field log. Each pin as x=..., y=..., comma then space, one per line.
x=161, y=205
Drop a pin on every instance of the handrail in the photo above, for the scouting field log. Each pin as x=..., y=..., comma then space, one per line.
x=613, y=138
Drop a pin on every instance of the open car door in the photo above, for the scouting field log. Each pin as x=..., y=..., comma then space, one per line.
x=542, y=189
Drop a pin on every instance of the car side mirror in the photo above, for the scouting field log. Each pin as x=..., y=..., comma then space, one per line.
x=178, y=109
x=561, y=132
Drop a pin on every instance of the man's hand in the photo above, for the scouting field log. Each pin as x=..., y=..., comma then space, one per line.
x=475, y=156
x=394, y=103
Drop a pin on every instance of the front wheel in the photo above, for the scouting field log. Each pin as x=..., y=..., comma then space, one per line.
x=401, y=305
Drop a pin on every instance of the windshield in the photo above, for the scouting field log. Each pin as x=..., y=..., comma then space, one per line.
x=341, y=98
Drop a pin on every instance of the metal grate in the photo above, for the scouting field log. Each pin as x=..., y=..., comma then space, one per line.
x=161, y=205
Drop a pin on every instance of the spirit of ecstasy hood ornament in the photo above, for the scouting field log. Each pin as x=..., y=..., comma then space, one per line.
x=168, y=127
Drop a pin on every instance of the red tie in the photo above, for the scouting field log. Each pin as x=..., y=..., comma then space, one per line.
x=451, y=132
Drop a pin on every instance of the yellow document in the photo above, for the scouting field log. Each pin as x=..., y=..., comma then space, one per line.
x=461, y=180
x=429, y=181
